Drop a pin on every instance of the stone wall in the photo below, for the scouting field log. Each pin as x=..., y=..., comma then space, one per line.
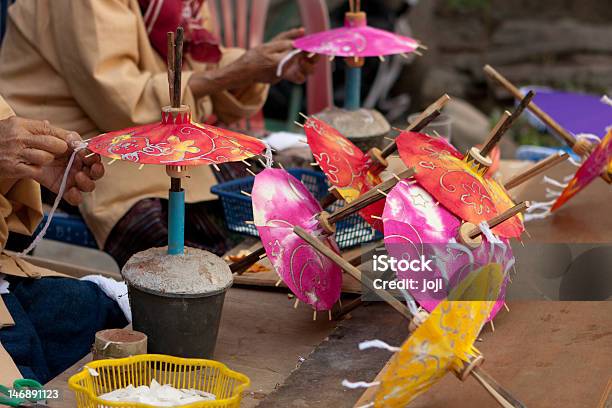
x=561, y=43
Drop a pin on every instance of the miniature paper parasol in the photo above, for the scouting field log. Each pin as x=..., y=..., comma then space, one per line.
x=442, y=343
x=459, y=186
x=416, y=226
x=281, y=202
x=346, y=167
x=355, y=41
x=597, y=162
x=176, y=142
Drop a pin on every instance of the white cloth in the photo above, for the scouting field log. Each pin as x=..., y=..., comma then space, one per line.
x=284, y=140
x=3, y=285
x=115, y=290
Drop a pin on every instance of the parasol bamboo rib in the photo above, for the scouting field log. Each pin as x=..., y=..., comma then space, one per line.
x=536, y=169
x=371, y=196
x=543, y=116
x=496, y=137
x=425, y=117
x=506, y=215
x=351, y=270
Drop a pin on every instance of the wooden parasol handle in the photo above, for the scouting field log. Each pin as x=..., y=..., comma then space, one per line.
x=506, y=215
x=242, y=265
x=543, y=116
x=376, y=193
x=506, y=124
x=324, y=250
x=501, y=395
x=536, y=169
x=424, y=119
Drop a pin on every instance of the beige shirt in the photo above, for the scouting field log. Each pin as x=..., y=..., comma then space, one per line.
x=20, y=211
x=88, y=66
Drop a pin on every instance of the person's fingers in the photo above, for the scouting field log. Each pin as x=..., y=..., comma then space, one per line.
x=36, y=157
x=84, y=183
x=43, y=127
x=25, y=170
x=73, y=196
x=96, y=171
x=290, y=34
x=89, y=159
x=279, y=47
x=50, y=144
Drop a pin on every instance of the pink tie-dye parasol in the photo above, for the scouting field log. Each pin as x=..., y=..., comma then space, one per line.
x=355, y=41
x=416, y=226
x=281, y=202
x=347, y=168
x=457, y=184
x=597, y=162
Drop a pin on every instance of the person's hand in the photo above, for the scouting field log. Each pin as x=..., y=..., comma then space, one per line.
x=84, y=172
x=299, y=67
x=259, y=64
x=35, y=149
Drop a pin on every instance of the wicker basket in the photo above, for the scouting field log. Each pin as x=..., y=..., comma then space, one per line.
x=203, y=375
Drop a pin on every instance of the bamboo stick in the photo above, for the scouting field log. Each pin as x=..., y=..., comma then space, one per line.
x=375, y=194
x=424, y=118
x=178, y=67
x=543, y=116
x=352, y=271
x=170, y=63
x=501, y=395
x=501, y=130
x=506, y=215
x=536, y=169
x=242, y=265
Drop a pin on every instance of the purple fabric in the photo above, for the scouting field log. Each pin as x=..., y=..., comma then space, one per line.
x=576, y=112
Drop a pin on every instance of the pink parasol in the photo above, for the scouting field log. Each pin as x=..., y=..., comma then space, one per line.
x=415, y=225
x=281, y=202
x=346, y=167
x=598, y=161
x=356, y=39
x=456, y=183
x=176, y=141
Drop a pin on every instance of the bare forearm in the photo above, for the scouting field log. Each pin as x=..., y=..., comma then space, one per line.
x=210, y=82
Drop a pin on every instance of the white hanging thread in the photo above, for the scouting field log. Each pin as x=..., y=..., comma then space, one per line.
x=285, y=60
x=77, y=147
x=543, y=206
x=268, y=155
x=410, y=302
x=606, y=100
x=359, y=384
x=554, y=182
x=378, y=344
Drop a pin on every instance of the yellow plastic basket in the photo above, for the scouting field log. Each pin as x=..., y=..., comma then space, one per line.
x=204, y=375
